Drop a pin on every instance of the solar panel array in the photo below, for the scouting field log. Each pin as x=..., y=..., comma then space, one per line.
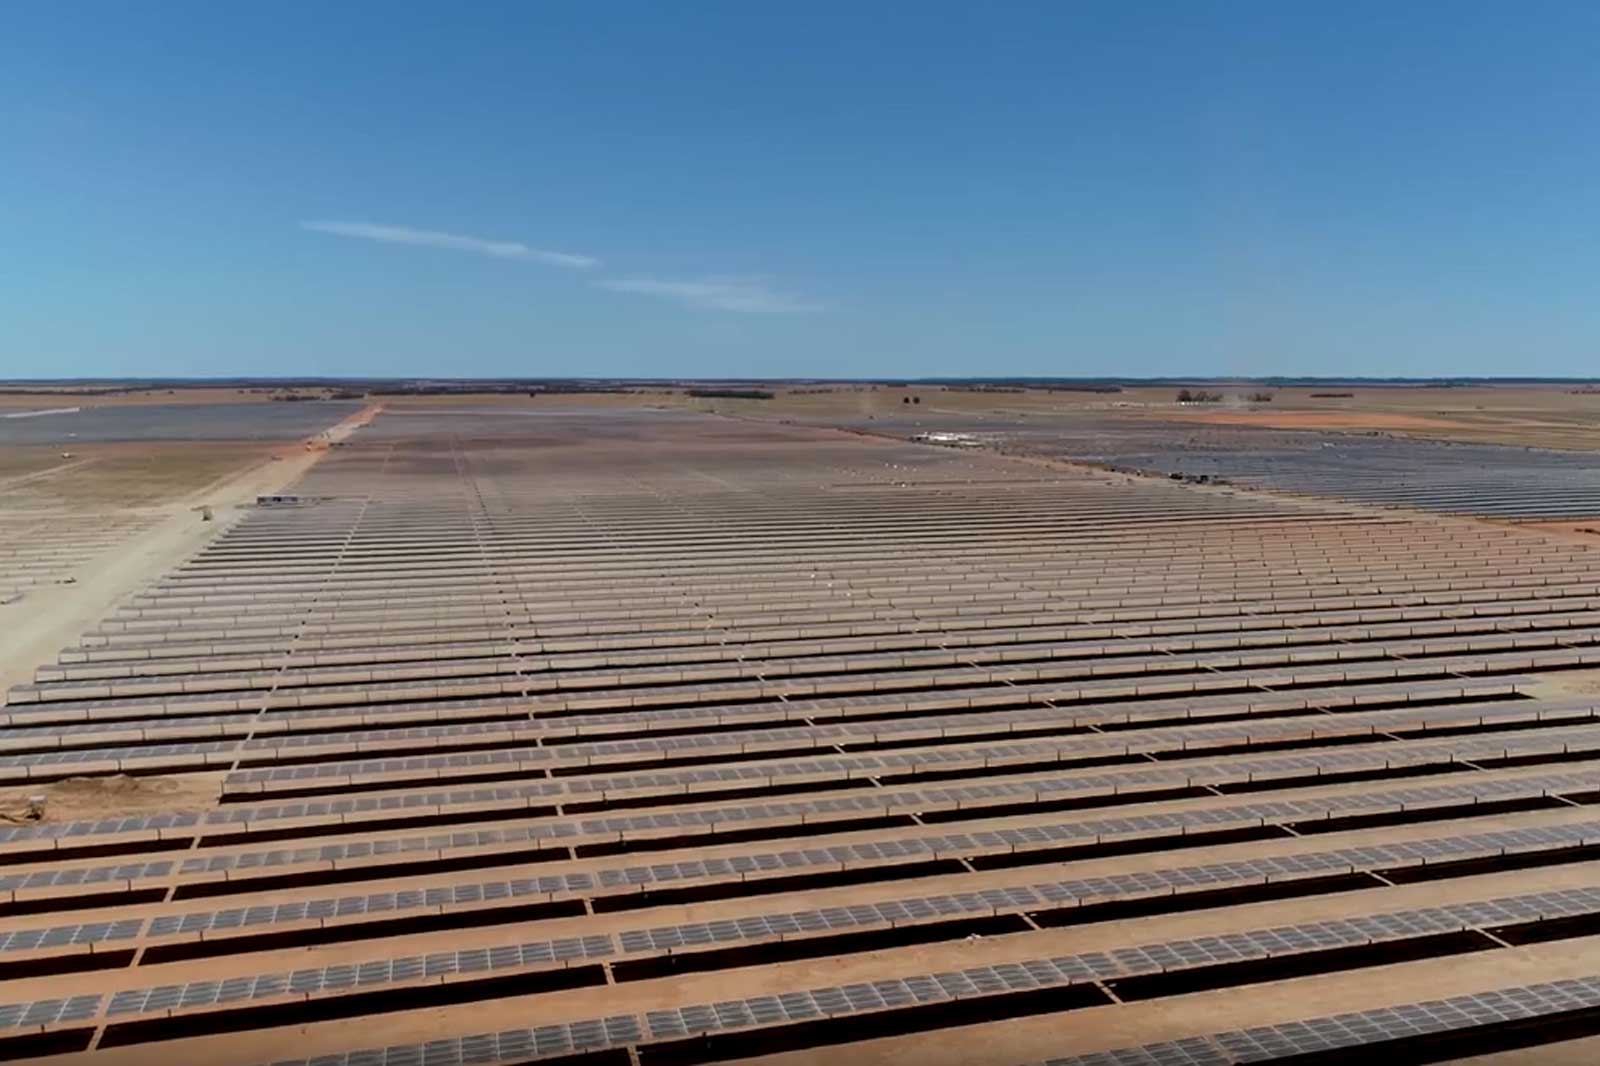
x=685, y=736
x=68, y=503
x=45, y=546
x=1381, y=1028
x=1029, y=975
x=1371, y=468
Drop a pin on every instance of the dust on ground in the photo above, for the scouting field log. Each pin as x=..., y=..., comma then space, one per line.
x=82, y=798
x=1583, y=529
x=1565, y=683
x=51, y=617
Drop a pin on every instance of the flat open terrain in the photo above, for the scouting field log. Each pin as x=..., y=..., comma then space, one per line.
x=97, y=500
x=1531, y=416
x=608, y=729
x=1516, y=452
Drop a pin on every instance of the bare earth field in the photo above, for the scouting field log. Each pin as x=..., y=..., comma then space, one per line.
x=84, y=523
x=1521, y=453
x=651, y=729
x=1519, y=416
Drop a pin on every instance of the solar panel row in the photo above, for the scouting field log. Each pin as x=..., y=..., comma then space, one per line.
x=1357, y=1029
x=512, y=704
x=1133, y=961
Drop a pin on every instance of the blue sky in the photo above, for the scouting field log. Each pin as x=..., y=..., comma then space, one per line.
x=753, y=189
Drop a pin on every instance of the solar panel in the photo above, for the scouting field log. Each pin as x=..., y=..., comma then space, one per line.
x=1359, y=1028
x=407, y=676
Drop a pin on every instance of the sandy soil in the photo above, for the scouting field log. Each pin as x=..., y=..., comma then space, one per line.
x=1567, y=683
x=133, y=474
x=20, y=466
x=81, y=798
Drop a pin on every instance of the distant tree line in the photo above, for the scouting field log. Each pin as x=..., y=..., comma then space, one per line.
x=731, y=394
x=1202, y=396
x=446, y=389
x=578, y=390
x=289, y=396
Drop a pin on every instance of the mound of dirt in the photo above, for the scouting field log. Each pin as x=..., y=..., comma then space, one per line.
x=80, y=798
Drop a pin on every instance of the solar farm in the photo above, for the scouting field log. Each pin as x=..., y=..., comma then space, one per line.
x=636, y=734
x=1452, y=476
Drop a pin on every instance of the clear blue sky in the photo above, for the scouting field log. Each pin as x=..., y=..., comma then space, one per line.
x=757, y=189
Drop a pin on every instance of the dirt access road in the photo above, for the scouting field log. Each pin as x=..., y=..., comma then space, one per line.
x=50, y=617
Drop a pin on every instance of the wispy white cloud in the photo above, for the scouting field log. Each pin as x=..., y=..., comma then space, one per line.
x=455, y=242
x=721, y=294
x=743, y=294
